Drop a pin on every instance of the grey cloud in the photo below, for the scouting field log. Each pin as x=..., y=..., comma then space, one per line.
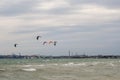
x=67, y=29
x=26, y=6
x=108, y=3
x=14, y=9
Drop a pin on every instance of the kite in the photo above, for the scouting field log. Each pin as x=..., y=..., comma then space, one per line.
x=44, y=42
x=50, y=42
x=15, y=45
x=55, y=42
x=38, y=37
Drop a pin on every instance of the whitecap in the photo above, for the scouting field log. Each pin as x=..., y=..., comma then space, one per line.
x=68, y=64
x=111, y=64
x=40, y=65
x=81, y=64
x=119, y=61
x=26, y=65
x=95, y=63
x=29, y=69
x=74, y=64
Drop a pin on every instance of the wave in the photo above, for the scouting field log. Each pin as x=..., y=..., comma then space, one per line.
x=29, y=69
x=2, y=69
x=74, y=64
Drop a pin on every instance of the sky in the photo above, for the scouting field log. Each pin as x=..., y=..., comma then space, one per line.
x=89, y=27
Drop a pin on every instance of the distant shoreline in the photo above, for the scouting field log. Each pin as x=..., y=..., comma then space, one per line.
x=59, y=57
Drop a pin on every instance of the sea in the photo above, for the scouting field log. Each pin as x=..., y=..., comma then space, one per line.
x=59, y=69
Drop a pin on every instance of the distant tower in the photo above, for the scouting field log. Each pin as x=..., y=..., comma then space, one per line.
x=69, y=53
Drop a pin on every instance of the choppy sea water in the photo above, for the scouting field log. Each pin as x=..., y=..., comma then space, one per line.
x=59, y=69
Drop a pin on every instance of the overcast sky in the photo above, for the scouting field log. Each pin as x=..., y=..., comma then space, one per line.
x=81, y=26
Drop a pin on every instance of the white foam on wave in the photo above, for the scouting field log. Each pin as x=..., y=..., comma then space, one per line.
x=40, y=65
x=68, y=64
x=29, y=69
x=81, y=64
x=74, y=64
x=84, y=64
x=26, y=65
x=111, y=64
x=119, y=61
x=95, y=63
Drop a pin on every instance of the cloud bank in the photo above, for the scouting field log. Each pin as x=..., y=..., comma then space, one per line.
x=85, y=26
